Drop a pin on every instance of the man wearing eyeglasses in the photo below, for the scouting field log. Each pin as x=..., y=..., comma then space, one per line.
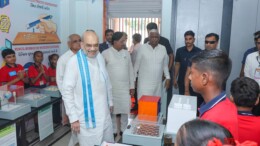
x=249, y=51
x=74, y=45
x=182, y=58
x=87, y=94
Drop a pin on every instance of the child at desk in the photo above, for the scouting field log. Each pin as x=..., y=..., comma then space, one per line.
x=53, y=58
x=37, y=72
x=11, y=73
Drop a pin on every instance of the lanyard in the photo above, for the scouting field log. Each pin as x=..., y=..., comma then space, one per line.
x=245, y=113
x=257, y=59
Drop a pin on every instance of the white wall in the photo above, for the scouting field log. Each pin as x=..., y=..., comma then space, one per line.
x=166, y=18
x=78, y=16
x=202, y=17
x=245, y=22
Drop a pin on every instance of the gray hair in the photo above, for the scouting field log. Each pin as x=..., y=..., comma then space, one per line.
x=154, y=30
x=70, y=36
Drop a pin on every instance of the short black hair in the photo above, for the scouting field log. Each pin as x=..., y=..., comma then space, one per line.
x=215, y=61
x=117, y=36
x=257, y=35
x=137, y=37
x=214, y=35
x=199, y=132
x=189, y=32
x=6, y=52
x=51, y=57
x=151, y=25
x=36, y=52
x=245, y=92
x=108, y=31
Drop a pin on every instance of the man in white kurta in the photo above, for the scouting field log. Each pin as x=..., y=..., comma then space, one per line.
x=252, y=64
x=74, y=45
x=150, y=66
x=89, y=115
x=120, y=70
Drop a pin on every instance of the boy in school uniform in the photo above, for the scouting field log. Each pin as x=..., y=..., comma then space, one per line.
x=11, y=73
x=245, y=94
x=209, y=71
x=38, y=73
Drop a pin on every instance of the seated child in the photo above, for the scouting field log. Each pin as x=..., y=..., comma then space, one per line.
x=52, y=69
x=209, y=70
x=11, y=73
x=37, y=72
x=245, y=94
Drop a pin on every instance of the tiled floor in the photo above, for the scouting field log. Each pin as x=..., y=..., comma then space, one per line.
x=65, y=139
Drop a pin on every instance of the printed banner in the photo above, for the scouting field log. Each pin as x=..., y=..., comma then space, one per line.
x=27, y=26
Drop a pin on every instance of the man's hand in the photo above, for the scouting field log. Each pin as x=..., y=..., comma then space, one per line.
x=167, y=84
x=132, y=92
x=75, y=127
x=175, y=84
x=111, y=108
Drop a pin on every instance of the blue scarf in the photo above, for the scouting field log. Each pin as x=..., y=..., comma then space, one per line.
x=89, y=112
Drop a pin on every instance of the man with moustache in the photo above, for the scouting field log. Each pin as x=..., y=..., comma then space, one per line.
x=182, y=58
x=74, y=45
x=108, y=43
x=87, y=94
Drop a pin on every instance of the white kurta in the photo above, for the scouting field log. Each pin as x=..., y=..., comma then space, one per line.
x=61, y=65
x=150, y=65
x=120, y=70
x=252, y=65
x=102, y=99
x=60, y=69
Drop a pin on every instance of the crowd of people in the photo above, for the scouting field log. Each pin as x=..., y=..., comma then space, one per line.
x=97, y=81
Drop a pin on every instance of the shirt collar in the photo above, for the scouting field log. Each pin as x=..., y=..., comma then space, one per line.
x=10, y=66
x=109, y=45
x=245, y=113
x=191, y=49
x=207, y=106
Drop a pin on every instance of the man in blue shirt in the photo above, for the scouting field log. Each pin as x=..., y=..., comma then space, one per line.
x=182, y=60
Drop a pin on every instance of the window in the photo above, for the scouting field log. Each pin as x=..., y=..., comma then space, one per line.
x=132, y=16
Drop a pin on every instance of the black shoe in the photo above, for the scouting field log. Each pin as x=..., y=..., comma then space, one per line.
x=121, y=133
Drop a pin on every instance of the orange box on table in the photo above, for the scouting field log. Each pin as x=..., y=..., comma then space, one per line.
x=148, y=107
